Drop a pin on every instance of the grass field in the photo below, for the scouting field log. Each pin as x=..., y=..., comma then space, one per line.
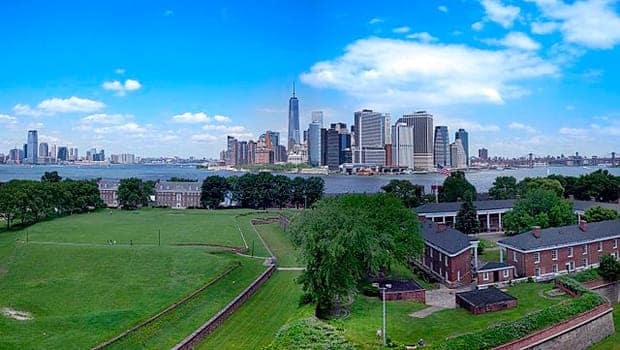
x=365, y=318
x=280, y=245
x=80, y=291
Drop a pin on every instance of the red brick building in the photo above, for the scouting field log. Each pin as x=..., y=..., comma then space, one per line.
x=544, y=253
x=108, y=191
x=179, y=195
x=448, y=254
x=495, y=273
x=403, y=290
x=485, y=300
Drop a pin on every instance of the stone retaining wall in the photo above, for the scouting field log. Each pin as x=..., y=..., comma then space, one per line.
x=208, y=327
x=577, y=333
x=608, y=290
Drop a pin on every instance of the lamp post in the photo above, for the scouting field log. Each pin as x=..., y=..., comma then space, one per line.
x=385, y=286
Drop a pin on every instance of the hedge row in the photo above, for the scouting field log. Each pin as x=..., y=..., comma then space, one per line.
x=572, y=284
x=506, y=332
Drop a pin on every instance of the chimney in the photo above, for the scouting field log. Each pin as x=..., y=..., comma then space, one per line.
x=441, y=227
x=536, y=231
x=583, y=225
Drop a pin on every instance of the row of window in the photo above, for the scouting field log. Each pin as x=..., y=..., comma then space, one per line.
x=505, y=273
x=570, y=266
x=554, y=252
x=441, y=256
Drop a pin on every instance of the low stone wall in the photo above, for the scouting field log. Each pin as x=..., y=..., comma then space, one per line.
x=608, y=290
x=208, y=327
x=418, y=295
x=577, y=333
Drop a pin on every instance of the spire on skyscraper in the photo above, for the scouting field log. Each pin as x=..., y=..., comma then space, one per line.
x=293, y=88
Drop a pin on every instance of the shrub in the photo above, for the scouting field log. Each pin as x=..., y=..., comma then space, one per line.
x=309, y=333
x=609, y=268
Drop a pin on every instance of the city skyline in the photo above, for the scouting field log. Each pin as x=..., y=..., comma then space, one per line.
x=520, y=73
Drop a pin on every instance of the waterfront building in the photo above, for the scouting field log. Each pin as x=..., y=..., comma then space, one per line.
x=298, y=155
x=108, y=190
x=372, y=134
x=457, y=155
x=123, y=158
x=280, y=154
x=441, y=150
x=62, y=155
x=402, y=145
x=314, y=144
x=54, y=153
x=43, y=149
x=264, y=156
x=252, y=146
x=464, y=137
x=422, y=123
x=32, y=149
x=483, y=154
x=242, y=153
x=293, y=121
x=16, y=156
x=178, y=195
x=231, y=151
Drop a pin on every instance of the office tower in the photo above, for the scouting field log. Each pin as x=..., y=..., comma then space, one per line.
x=314, y=144
x=464, y=137
x=242, y=152
x=293, y=120
x=372, y=134
x=274, y=137
x=334, y=148
x=457, y=155
x=483, y=154
x=280, y=154
x=43, y=150
x=231, y=151
x=33, y=147
x=317, y=116
x=402, y=145
x=62, y=154
x=340, y=127
x=442, y=146
x=54, y=152
x=252, y=152
x=422, y=123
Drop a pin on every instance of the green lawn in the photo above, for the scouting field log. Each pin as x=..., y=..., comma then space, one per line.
x=252, y=239
x=365, y=319
x=280, y=244
x=612, y=342
x=256, y=323
x=490, y=255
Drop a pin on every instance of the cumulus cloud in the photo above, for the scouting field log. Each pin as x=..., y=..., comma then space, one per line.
x=221, y=119
x=375, y=21
x=102, y=118
x=131, y=128
x=401, y=30
x=516, y=40
x=59, y=105
x=204, y=138
x=589, y=23
x=442, y=8
x=471, y=126
x=499, y=13
x=236, y=131
x=191, y=118
x=477, y=26
x=119, y=71
x=409, y=73
x=7, y=119
x=574, y=132
x=121, y=88
x=544, y=27
x=422, y=36
x=521, y=126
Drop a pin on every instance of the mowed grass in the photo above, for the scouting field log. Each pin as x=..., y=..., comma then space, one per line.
x=280, y=245
x=613, y=341
x=366, y=317
x=141, y=227
x=256, y=323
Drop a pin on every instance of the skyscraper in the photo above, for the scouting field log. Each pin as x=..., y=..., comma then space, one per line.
x=483, y=154
x=314, y=144
x=464, y=137
x=293, y=120
x=402, y=145
x=457, y=155
x=43, y=150
x=442, y=146
x=317, y=116
x=422, y=123
x=62, y=154
x=33, y=147
x=371, y=136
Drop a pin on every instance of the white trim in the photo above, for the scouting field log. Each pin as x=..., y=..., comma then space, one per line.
x=536, y=257
x=485, y=276
x=499, y=268
x=446, y=253
x=556, y=246
x=505, y=273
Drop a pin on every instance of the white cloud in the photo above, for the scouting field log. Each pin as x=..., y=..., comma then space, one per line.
x=375, y=21
x=409, y=74
x=7, y=119
x=516, y=40
x=191, y=118
x=589, y=23
x=119, y=71
x=400, y=30
x=236, y=131
x=120, y=88
x=477, y=26
x=469, y=125
x=131, y=128
x=59, y=105
x=102, y=118
x=423, y=37
x=442, y=8
x=574, y=132
x=544, y=27
x=204, y=138
x=502, y=14
x=221, y=119
x=521, y=126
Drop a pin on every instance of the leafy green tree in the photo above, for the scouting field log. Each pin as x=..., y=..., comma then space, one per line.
x=345, y=239
x=569, y=183
x=314, y=188
x=408, y=193
x=454, y=187
x=504, y=187
x=598, y=213
x=51, y=177
x=540, y=184
x=544, y=208
x=132, y=193
x=213, y=191
x=298, y=192
x=467, y=217
x=281, y=190
x=599, y=185
x=609, y=268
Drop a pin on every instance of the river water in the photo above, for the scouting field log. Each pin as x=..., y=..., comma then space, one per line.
x=333, y=183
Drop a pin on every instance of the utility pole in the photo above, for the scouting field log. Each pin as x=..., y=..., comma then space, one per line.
x=385, y=286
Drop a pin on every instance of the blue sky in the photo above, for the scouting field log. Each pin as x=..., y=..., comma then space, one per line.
x=174, y=78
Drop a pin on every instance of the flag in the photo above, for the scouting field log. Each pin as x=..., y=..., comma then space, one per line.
x=443, y=170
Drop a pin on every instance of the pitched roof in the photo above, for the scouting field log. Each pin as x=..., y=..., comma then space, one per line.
x=440, y=207
x=173, y=186
x=450, y=240
x=482, y=297
x=565, y=235
x=584, y=205
x=494, y=266
x=401, y=285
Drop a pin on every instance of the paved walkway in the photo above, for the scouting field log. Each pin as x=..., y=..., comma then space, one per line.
x=439, y=299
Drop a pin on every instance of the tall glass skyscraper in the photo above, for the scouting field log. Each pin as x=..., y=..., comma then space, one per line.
x=442, y=146
x=293, y=121
x=314, y=144
x=422, y=123
x=33, y=147
x=464, y=137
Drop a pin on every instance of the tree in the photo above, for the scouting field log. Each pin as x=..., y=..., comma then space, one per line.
x=544, y=208
x=213, y=192
x=298, y=192
x=347, y=238
x=467, y=216
x=314, y=188
x=529, y=184
x=599, y=185
x=598, y=213
x=454, y=187
x=504, y=187
x=408, y=193
x=281, y=190
x=51, y=177
x=609, y=268
x=132, y=193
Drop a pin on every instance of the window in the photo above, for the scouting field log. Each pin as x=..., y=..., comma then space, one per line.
x=506, y=273
x=537, y=272
x=554, y=254
x=600, y=246
x=514, y=256
x=445, y=259
x=431, y=252
x=570, y=252
x=615, y=243
x=485, y=276
x=458, y=275
x=555, y=268
x=585, y=249
x=536, y=257
x=584, y=262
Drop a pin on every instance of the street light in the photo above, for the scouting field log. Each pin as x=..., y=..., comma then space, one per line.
x=385, y=286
